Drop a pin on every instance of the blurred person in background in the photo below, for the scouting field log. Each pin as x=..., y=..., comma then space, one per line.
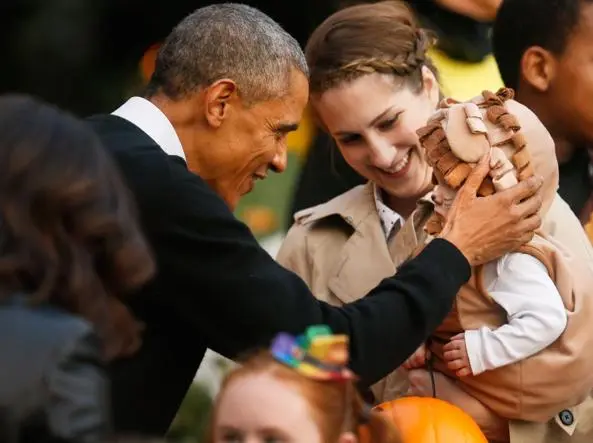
x=547, y=60
x=70, y=249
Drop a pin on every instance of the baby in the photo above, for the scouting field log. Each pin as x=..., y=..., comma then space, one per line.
x=522, y=320
x=519, y=283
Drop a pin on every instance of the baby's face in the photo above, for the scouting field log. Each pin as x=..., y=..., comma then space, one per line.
x=442, y=195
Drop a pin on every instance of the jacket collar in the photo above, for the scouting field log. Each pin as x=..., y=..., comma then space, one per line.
x=151, y=120
x=353, y=206
x=366, y=257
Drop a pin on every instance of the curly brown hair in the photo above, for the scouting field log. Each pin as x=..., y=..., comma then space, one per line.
x=69, y=234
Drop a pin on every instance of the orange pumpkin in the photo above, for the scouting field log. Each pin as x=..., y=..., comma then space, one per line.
x=430, y=420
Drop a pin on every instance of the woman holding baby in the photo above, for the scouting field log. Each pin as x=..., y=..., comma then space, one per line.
x=372, y=89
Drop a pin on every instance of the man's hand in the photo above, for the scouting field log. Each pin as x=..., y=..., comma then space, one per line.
x=455, y=356
x=485, y=228
x=417, y=359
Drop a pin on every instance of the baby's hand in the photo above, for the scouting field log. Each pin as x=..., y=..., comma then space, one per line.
x=455, y=356
x=417, y=359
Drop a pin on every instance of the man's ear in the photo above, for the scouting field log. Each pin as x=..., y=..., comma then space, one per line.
x=219, y=97
x=347, y=437
x=431, y=86
x=538, y=68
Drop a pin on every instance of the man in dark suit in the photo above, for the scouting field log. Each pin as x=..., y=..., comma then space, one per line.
x=229, y=85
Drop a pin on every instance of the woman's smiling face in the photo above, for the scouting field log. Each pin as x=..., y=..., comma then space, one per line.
x=374, y=121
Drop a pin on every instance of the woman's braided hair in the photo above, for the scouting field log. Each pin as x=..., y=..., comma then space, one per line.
x=382, y=37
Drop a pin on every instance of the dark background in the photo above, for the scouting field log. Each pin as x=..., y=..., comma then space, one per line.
x=84, y=54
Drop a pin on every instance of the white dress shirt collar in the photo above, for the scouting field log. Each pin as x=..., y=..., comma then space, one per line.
x=149, y=118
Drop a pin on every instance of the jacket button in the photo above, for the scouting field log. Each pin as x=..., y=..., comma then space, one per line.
x=566, y=417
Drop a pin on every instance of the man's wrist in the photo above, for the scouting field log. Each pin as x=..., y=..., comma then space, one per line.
x=457, y=241
x=457, y=265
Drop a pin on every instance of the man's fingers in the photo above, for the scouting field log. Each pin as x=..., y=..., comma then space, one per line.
x=526, y=208
x=530, y=224
x=525, y=189
x=524, y=230
x=476, y=177
x=525, y=237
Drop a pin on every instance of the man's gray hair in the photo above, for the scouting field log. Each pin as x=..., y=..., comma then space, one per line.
x=227, y=40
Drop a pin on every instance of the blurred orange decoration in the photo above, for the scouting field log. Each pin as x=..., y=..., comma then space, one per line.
x=148, y=60
x=430, y=420
x=260, y=219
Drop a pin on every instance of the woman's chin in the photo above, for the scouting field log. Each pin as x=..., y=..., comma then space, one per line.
x=414, y=188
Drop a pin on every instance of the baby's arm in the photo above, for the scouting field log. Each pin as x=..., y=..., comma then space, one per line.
x=520, y=284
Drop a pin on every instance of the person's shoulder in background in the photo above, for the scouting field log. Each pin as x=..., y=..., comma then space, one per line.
x=53, y=385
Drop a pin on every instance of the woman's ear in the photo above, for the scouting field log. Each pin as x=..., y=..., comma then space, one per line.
x=348, y=437
x=430, y=86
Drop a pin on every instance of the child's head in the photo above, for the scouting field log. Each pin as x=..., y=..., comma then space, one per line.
x=298, y=392
x=460, y=134
x=502, y=173
x=543, y=50
x=68, y=232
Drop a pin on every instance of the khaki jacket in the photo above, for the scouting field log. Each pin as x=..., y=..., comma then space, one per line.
x=340, y=251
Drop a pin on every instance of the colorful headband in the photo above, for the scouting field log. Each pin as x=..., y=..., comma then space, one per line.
x=317, y=354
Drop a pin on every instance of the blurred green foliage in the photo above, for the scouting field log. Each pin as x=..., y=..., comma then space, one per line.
x=191, y=422
x=275, y=192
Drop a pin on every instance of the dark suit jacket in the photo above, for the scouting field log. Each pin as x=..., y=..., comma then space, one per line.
x=53, y=386
x=217, y=288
